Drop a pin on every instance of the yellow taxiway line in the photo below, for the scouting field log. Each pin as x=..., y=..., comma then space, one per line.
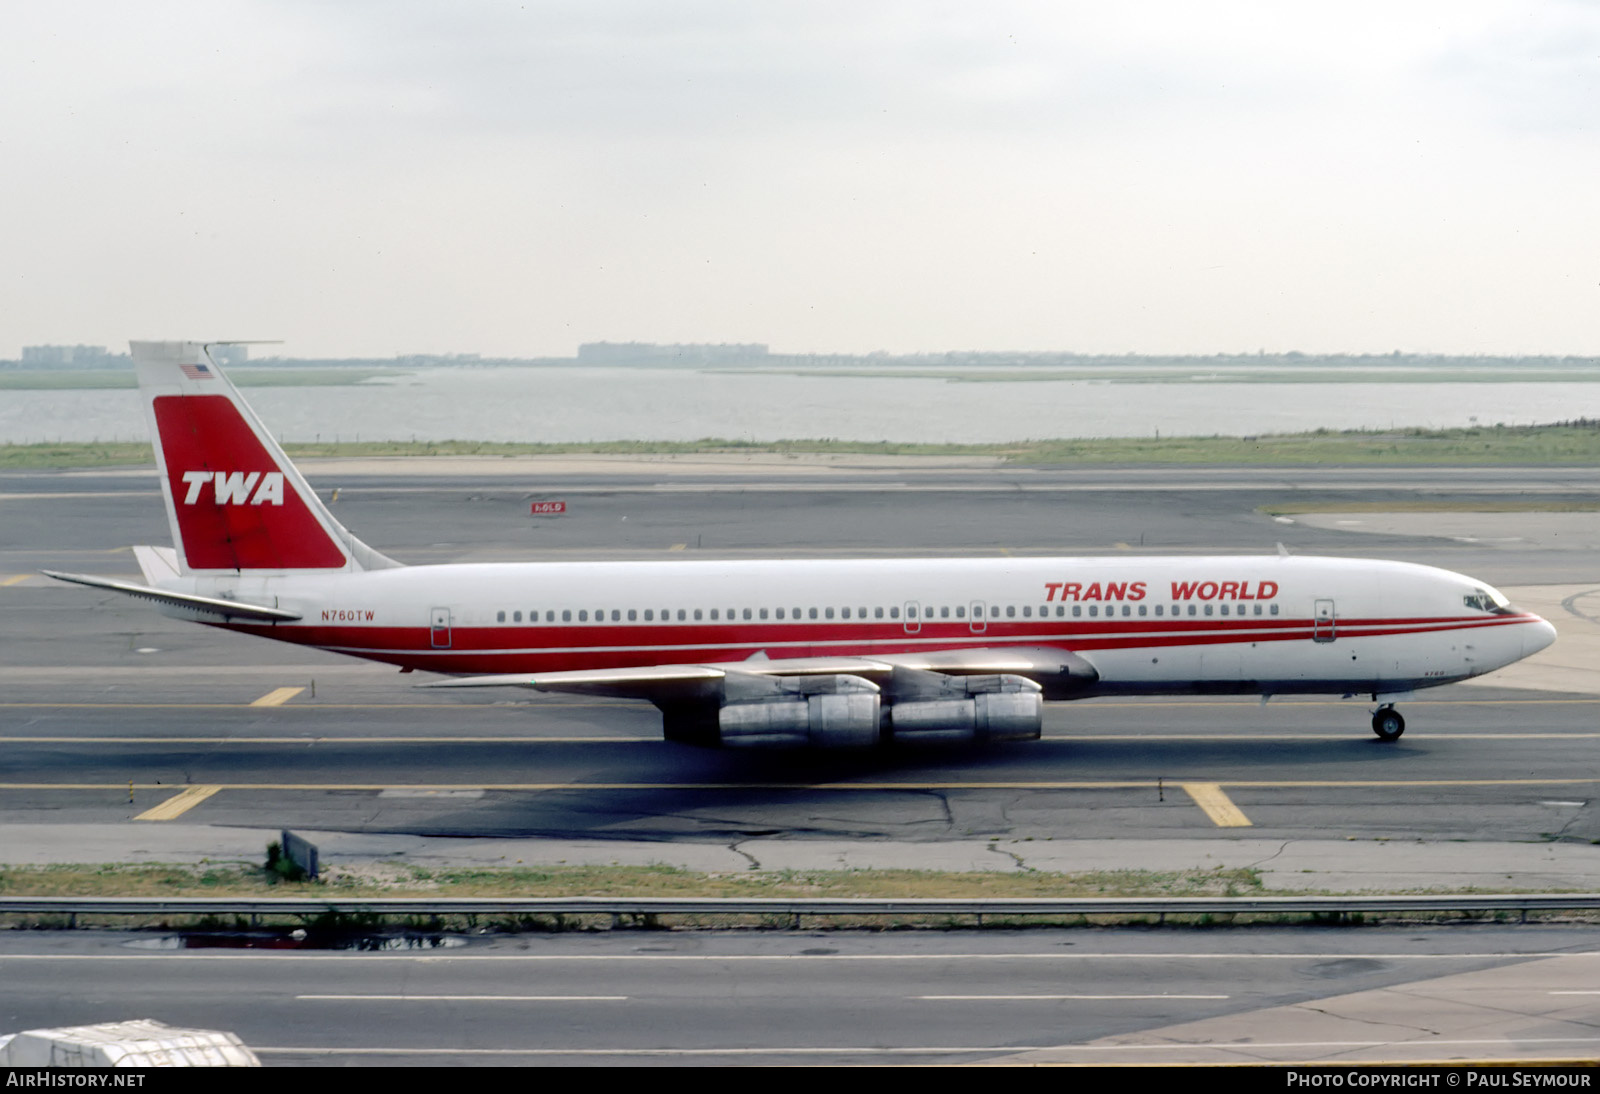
x=539, y=702
x=612, y=705
x=845, y=787
x=533, y=739
x=1216, y=805
x=1209, y=796
x=500, y=740
x=277, y=697
x=178, y=804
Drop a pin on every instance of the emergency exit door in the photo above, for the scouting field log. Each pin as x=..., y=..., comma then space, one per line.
x=440, y=628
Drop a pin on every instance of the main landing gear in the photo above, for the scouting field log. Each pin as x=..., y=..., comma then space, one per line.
x=1387, y=723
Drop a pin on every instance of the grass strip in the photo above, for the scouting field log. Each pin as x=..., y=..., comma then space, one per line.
x=1562, y=443
x=388, y=879
x=1431, y=505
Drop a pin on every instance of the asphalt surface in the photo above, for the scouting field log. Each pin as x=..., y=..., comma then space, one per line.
x=1101, y=997
x=100, y=692
x=1494, y=787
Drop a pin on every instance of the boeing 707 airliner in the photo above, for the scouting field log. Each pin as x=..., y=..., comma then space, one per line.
x=830, y=654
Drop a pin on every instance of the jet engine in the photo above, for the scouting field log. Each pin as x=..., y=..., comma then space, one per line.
x=820, y=711
x=928, y=706
x=846, y=711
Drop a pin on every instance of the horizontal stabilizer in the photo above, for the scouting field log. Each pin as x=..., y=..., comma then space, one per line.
x=209, y=605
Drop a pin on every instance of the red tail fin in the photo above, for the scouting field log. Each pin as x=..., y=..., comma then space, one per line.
x=234, y=500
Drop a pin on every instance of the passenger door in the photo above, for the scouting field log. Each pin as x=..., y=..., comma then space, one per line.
x=1324, y=624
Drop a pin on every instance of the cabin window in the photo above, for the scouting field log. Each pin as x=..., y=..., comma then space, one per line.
x=894, y=613
x=811, y=613
x=1158, y=609
x=583, y=616
x=1011, y=610
x=1094, y=609
x=844, y=613
x=649, y=615
x=1027, y=611
x=827, y=613
x=1192, y=610
x=566, y=615
x=1224, y=609
x=780, y=613
x=616, y=615
x=861, y=613
x=961, y=613
x=877, y=613
x=1208, y=609
x=1077, y=610
x=550, y=616
x=682, y=615
x=1258, y=609
x=763, y=613
x=1274, y=609
x=500, y=617
x=714, y=614
x=697, y=613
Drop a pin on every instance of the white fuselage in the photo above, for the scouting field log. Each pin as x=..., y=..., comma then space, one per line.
x=1246, y=624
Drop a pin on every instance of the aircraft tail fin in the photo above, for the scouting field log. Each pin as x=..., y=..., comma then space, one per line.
x=234, y=501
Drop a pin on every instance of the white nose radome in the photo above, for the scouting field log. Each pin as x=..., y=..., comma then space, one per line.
x=1537, y=635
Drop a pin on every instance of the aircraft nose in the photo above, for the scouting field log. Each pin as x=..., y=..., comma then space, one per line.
x=1537, y=635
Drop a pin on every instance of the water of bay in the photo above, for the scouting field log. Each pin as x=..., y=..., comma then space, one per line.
x=604, y=404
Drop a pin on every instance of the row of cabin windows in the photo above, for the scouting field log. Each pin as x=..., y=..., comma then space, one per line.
x=995, y=610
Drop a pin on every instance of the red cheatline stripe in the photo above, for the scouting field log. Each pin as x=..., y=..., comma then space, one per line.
x=622, y=645
x=772, y=635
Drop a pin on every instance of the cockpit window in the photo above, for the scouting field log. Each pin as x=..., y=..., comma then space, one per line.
x=1486, y=600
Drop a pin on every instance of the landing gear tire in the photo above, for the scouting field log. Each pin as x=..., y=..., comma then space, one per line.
x=1388, y=724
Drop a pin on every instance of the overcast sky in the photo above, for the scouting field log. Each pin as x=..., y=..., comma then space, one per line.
x=513, y=179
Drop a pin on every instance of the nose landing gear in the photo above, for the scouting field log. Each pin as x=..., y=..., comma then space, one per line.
x=1387, y=723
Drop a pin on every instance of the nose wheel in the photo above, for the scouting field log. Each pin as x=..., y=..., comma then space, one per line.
x=1387, y=724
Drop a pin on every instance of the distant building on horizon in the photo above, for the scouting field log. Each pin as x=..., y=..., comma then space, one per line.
x=67, y=356
x=677, y=353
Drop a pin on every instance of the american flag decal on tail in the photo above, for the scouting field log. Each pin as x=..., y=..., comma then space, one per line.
x=198, y=372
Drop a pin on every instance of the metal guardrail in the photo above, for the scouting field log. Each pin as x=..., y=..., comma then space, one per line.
x=1521, y=903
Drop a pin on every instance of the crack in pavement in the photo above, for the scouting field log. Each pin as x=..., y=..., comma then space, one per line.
x=1367, y=1021
x=1016, y=858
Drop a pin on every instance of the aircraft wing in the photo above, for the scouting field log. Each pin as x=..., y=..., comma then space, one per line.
x=1058, y=671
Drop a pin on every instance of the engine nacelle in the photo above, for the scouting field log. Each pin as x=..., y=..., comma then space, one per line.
x=839, y=712
x=994, y=708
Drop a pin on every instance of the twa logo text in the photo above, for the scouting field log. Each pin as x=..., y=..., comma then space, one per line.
x=235, y=487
